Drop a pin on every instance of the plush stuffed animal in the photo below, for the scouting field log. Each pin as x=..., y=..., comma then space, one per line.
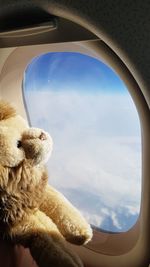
x=32, y=213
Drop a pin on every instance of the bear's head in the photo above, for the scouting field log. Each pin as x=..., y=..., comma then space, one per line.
x=19, y=142
x=23, y=177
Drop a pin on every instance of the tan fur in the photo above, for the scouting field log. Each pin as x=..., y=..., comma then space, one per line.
x=6, y=110
x=20, y=195
x=33, y=213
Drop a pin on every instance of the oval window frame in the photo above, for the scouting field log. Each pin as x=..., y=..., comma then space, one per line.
x=104, y=243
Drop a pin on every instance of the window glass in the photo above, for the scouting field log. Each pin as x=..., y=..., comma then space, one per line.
x=87, y=109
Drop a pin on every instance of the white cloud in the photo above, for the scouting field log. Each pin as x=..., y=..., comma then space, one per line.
x=115, y=220
x=96, y=145
x=132, y=210
x=94, y=219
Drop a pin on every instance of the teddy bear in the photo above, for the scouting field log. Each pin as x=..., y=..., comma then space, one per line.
x=33, y=213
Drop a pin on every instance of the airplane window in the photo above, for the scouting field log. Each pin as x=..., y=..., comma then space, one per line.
x=87, y=109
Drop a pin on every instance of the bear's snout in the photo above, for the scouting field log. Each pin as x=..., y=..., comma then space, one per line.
x=37, y=145
x=42, y=136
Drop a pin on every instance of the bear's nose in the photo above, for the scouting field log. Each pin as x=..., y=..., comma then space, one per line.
x=42, y=136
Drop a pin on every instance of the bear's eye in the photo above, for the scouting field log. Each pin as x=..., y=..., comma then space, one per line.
x=19, y=144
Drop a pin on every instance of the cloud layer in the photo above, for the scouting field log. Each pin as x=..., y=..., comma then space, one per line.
x=96, y=160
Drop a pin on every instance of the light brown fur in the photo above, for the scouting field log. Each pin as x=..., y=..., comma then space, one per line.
x=33, y=213
x=6, y=111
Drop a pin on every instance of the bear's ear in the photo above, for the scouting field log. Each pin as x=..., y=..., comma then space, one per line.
x=6, y=110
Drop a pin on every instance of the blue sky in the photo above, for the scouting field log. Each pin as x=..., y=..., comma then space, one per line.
x=72, y=70
x=96, y=161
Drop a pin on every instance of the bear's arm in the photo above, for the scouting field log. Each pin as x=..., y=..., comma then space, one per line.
x=68, y=219
x=38, y=233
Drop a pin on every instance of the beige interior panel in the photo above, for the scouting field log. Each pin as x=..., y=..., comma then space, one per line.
x=123, y=27
x=125, y=249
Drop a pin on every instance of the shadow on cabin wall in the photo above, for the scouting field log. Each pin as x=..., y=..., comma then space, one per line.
x=15, y=256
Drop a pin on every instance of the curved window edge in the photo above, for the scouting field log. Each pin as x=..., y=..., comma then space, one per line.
x=138, y=99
